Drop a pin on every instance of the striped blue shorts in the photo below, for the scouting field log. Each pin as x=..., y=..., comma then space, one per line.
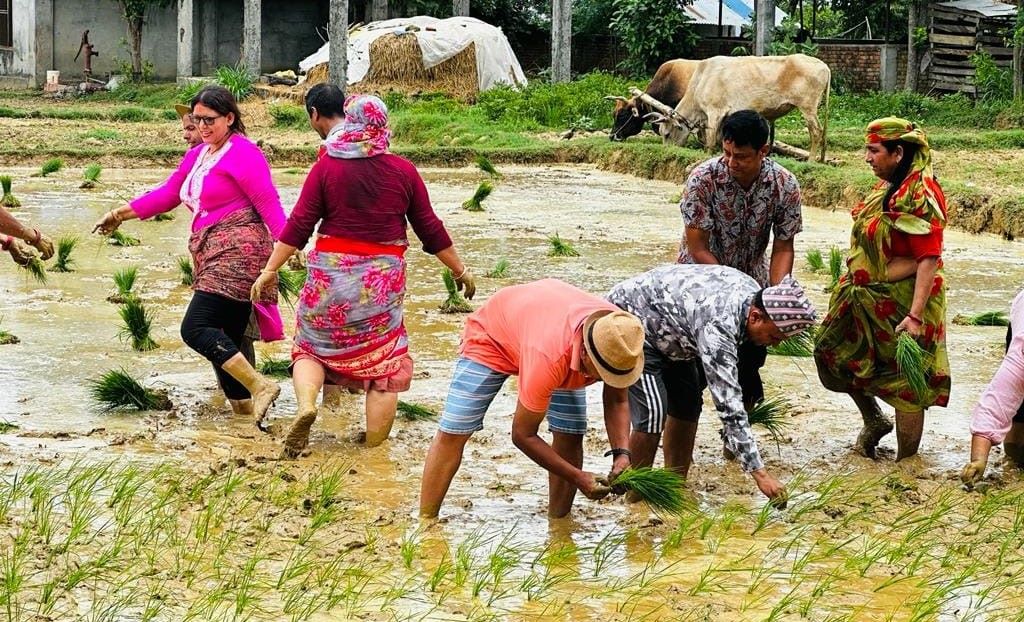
x=473, y=389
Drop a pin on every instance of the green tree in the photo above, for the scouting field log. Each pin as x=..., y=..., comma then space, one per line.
x=877, y=13
x=134, y=12
x=652, y=31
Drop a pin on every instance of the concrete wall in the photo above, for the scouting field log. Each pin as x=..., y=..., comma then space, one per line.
x=18, y=63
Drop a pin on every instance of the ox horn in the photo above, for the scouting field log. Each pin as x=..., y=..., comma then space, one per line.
x=616, y=98
x=655, y=117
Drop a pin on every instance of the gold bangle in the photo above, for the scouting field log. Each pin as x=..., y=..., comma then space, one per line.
x=464, y=271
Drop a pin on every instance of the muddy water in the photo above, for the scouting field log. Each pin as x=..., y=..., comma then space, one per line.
x=621, y=226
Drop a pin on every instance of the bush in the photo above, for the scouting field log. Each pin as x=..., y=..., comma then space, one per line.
x=991, y=81
x=132, y=114
x=652, y=31
x=188, y=90
x=288, y=115
x=555, y=105
x=236, y=79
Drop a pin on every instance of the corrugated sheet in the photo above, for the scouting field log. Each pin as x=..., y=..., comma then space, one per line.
x=734, y=12
x=985, y=8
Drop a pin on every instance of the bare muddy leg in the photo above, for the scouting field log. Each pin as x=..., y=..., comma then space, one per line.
x=443, y=460
x=909, y=426
x=876, y=425
x=308, y=377
x=560, y=492
x=380, y=416
x=679, y=440
x=1013, y=444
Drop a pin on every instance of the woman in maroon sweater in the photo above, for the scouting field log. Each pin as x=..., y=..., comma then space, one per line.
x=350, y=329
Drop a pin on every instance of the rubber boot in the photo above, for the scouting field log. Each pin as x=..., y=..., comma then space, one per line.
x=263, y=390
x=305, y=416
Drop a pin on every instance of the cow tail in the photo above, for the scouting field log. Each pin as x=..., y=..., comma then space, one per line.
x=824, y=127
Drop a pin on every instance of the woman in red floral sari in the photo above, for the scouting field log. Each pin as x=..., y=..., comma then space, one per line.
x=893, y=283
x=350, y=326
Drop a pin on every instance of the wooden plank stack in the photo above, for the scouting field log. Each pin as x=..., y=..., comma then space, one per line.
x=957, y=32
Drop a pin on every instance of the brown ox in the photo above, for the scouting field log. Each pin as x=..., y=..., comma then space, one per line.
x=771, y=85
x=667, y=86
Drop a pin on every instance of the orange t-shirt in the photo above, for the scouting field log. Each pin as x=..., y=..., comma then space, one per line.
x=533, y=331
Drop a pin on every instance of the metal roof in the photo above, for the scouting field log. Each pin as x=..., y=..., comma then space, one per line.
x=985, y=8
x=734, y=12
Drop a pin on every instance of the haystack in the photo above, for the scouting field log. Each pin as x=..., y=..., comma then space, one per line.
x=396, y=64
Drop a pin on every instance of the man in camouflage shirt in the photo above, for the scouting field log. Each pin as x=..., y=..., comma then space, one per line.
x=696, y=318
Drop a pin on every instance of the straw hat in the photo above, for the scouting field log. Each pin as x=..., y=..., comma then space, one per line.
x=182, y=110
x=614, y=340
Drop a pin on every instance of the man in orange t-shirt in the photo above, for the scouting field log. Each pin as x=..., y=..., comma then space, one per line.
x=555, y=338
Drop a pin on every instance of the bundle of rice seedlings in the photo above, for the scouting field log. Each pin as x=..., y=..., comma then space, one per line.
x=118, y=389
x=138, y=322
x=455, y=303
x=163, y=217
x=988, y=318
x=773, y=413
x=661, y=489
x=485, y=165
x=415, y=412
x=65, y=245
x=8, y=200
x=92, y=176
x=185, y=268
x=473, y=203
x=50, y=166
x=7, y=338
x=277, y=368
x=561, y=248
x=836, y=264
x=800, y=345
x=911, y=361
x=36, y=269
x=119, y=238
x=815, y=261
x=500, y=269
x=124, y=280
x=7, y=426
x=290, y=283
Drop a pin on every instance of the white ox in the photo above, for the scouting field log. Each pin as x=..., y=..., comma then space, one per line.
x=771, y=85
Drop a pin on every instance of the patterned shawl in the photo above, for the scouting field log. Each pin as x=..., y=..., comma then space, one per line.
x=364, y=132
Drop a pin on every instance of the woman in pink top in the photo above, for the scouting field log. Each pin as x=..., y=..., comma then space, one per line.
x=236, y=216
x=999, y=415
x=350, y=326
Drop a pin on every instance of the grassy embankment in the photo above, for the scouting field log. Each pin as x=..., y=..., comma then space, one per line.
x=976, y=144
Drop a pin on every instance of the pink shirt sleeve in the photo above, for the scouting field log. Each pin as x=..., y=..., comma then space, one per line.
x=252, y=173
x=999, y=402
x=166, y=196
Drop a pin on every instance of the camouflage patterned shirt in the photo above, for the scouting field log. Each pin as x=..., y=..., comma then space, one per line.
x=697, y=311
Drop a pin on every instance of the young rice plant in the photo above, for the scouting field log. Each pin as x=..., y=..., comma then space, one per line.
x=815, y=261
x=163, y=217
x=912, y=361
x=278, y=368
x=835, y=265
x=36, y=269
x=474, y=203
x=64, y=262
x=92, y=176
x=799, y=345
x=185, y=269
x=486, y=166
x=50, y=166
x=561, y=248
x=455, y=303
x=119, y=238
x=138, y=322
x=8, y=200
x=415, y=412
x=290, y=283
x=773, y=413
x=989, y=318
x=124, y=280
x=662, y=489
x=500, y=269
x=118, y=389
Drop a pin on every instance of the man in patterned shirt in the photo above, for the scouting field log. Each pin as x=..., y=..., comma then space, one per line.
x=731, y=205
x=696, y=319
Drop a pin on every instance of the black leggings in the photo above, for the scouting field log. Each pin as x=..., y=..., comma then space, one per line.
x=214, y=327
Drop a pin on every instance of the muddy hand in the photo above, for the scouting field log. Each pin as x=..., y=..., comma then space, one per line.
x=20, y=252
x=108, y=224
x=265, y=278
x=594, y=487
x=620, y=464
x=973, y=472
x=770, y=487
x=468, y=282
x=43, y=244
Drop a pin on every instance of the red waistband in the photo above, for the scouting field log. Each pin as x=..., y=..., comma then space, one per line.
x=331, y=244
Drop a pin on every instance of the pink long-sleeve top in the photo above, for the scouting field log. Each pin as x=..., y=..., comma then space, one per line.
x=996, y=407
x=236, y=177
x=365, y=199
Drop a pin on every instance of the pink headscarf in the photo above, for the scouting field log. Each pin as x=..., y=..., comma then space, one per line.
x=364, y=132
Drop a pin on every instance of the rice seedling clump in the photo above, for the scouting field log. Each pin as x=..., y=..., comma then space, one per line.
x=8, y=200
x=561, y=248
x=836, y=263
x=118, y=389
x=278, y=368
x=988, y=318
x=290, y=283
x=64, y=262
x=798, y=345
x=92, y=176
x=163, y=217
x=662, y=489
x=486, y=166
x=124, y=280
x=138, y=322
x=455, y=303
x=773, y=413
x=475, y=202
x=36, y=269
x=415, y=412
x=50, y=166
x=119, y=238
x=7, y=338
x=500, y=270
x=815, y=260
x=185, y=268
x=912, y=361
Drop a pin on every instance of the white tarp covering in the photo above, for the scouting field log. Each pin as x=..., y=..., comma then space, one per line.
x=439, y=39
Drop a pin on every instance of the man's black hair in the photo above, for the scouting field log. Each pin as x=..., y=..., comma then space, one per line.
x=745, y=128
x=328, y=99
x=758, y=301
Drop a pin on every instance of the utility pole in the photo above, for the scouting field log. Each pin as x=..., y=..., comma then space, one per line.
x=765, y=25
x=460, y=8
x=337, y=32
x=914, y=10
x=561, y=40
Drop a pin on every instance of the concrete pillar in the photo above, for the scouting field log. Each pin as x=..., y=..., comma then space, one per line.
x=561, y=40
x=764, y=27
x=378, y=10
x=252, y=19
x=186, y=47
x=888, y=67
x=337, y=32
x=43, y=48
x=460, y=7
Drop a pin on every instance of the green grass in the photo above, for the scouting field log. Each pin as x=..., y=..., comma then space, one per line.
x=236, y=79
x=474, y=203
x=912, y=362
x=131, y=114
x=415, y=412
x=289, y=116
x=561, y=248
x=661, y=489
x=186, y=271
x=500, y=269
x=8, y=200
x=454, y=303
x=65, y=245
x=100, y=133
x=92, y=176
x=988, y=318
x=277, y=368
x=120, y=238
x=119, y=389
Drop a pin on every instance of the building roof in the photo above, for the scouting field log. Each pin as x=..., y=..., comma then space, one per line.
x=734, y=12
x=985, y=8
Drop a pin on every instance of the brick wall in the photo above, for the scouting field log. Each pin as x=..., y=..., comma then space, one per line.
x=857, y=67
x=599, y=53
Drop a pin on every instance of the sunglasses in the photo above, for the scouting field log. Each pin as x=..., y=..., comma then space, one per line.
x=207, y=121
